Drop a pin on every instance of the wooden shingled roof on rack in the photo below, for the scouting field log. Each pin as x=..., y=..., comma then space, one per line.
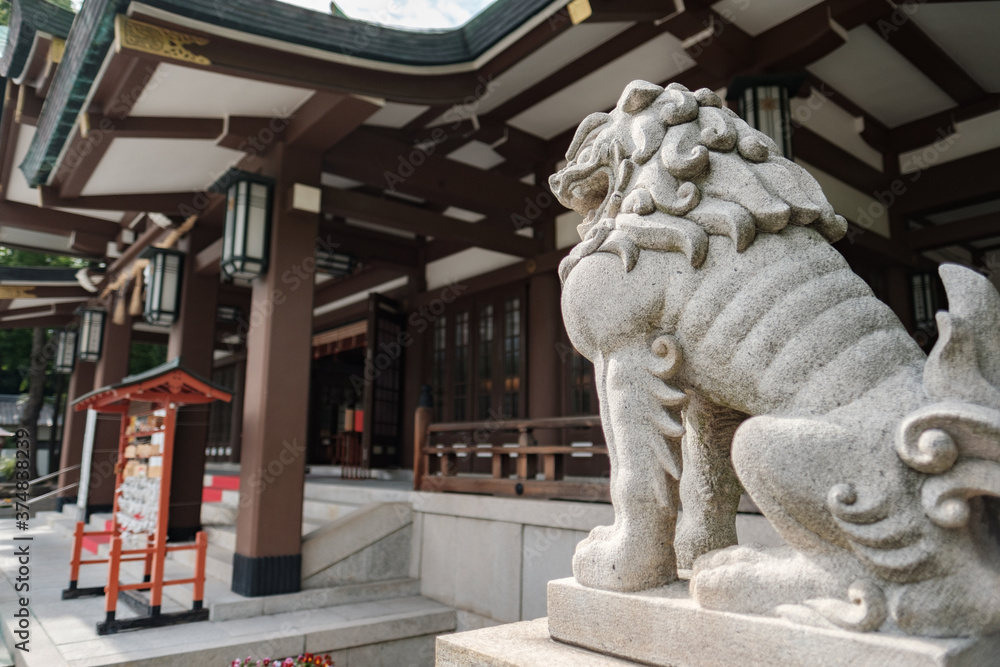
x=168, y=383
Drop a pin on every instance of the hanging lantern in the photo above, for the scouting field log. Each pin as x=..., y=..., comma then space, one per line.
x=163, y=285
x=246, y=240
x=91, y=334
x=763, y=104
x=65, y=351
x=333, y=263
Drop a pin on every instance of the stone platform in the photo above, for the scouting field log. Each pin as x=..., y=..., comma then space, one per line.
x=664, y=627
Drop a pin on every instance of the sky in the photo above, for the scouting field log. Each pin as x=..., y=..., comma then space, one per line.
x=427, y=14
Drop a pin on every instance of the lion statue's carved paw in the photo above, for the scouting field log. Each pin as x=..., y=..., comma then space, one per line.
x=619, y=560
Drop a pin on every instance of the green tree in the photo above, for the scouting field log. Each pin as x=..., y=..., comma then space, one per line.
x=27, y=363
x=143, y=356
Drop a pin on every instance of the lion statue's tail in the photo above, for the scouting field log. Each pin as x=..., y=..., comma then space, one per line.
x=935, y=547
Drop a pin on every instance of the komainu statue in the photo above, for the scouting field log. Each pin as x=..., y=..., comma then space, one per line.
x=736, y=350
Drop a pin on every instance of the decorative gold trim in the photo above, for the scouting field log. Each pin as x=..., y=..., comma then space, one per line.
x=579, y=11
x=17, y=292
x=152, y=39
x=56, y=50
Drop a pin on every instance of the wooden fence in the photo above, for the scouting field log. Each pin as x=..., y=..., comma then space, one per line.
x=514, y=468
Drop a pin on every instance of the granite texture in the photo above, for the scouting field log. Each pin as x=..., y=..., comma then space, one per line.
x=665, y=627
x=733, y=346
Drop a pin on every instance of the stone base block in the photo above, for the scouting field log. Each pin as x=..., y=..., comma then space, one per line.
x=524, y=644
x=664, y=627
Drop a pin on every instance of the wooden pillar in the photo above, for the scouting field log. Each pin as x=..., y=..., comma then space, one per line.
x=80, y=382
x=236, y=425
x=192, y=338
x=545, y=365
x=276, y=399
x=111, y=368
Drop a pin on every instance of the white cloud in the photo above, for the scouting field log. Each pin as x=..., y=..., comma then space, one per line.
x=424, y=14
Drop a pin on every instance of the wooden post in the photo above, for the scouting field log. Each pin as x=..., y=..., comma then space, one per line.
x=201, y=542
x=553, y=466
x=526, y=467
x=74, y=563
x=163, y=511
x=421, y=460
x=111, y=590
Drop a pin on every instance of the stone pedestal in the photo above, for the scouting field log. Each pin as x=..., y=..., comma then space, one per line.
x=664, y=627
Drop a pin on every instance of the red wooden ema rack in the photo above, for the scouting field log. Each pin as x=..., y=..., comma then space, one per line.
x=148, y=405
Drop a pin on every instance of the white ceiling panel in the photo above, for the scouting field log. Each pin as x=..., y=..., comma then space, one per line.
x=137, y=166
x=552, y=57
x=655, y=61
x=187, y=92
x=829, y=120
x=15, y=236
x=757, y=17
x=476, y=154
x=971, y=136
x=395, y=114
x=465, y=264
x=877, y=78
x=17, y=188
x=968, y=31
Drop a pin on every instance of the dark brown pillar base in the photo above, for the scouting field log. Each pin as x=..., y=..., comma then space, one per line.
x=266, y=575
x=63, y=501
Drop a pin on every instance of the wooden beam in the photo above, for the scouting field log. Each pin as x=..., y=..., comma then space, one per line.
x=207, y=261
x=29, y=106
x=327, y=118
x=8, y=137
x=925, y=54
x=837, y=162
x=969, y=179
x=952, y=233
x=398, y=215
x=370, y=247
x=155, y=127
x=629, y=10
x=344, y=287
x=929, y=129
x=604, y=53
x=45, y=321
x=25, y=216
x=256, y=134
x=56, y=292
x=168, y=203
x=391, y=165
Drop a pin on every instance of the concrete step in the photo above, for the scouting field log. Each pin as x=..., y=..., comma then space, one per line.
x=218, y=514
x=316, y=598
x=355, y=494
x=319, y=512
x=225, y=536
x=384, y=633
x=59, y=522
x=368, y=544
x=218, y=561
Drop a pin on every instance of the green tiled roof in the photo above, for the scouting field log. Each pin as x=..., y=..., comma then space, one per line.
x=93, y=33
x=26, y=18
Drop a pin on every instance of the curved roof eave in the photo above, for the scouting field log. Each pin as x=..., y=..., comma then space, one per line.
x=93, y=34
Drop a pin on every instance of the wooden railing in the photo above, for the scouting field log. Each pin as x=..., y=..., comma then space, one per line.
x=514, y=469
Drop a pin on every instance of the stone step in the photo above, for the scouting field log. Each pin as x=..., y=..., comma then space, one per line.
x=218, y=561
x=316, y=598
x=319, y=512
x=220, y=514
x=384, y=633
x=349, y=494
x=225, y=536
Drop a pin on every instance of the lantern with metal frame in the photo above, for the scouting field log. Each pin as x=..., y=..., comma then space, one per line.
x=247, y=236
x=90, y=336
x=163, y=277
x=763, y=104
x=65, y=351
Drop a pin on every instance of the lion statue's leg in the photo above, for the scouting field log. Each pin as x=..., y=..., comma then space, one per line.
x=637, y=552
x=709, y=489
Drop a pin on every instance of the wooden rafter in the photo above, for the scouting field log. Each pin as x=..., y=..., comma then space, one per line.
x=399, y=215
x=962, y=231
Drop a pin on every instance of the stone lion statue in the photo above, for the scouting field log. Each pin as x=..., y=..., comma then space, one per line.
x=736, y=350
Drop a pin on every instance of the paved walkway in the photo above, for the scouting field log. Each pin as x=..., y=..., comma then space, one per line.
x=63, y=632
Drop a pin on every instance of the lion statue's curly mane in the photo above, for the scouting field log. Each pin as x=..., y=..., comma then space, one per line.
x=683, y=166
